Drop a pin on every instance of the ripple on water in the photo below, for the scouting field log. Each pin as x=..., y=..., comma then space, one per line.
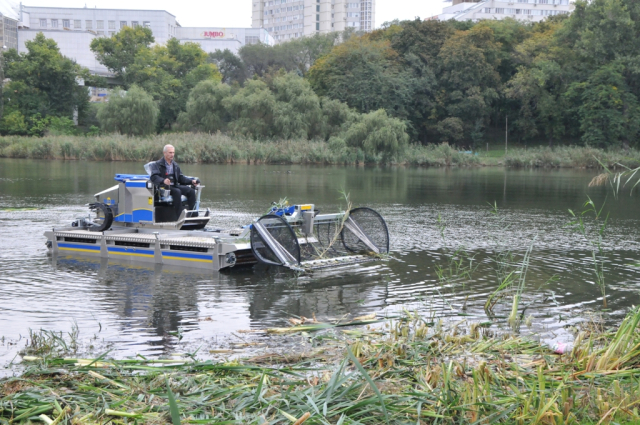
x=132, y=309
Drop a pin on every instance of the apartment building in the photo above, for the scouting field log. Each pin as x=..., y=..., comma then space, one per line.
x=287, y=19
x=74, y=29
x=523, y=10
x=9, y=22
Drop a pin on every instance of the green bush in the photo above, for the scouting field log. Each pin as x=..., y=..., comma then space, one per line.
x=133, y=113
x=14, y=123
x=62, y=126
x=376, y=132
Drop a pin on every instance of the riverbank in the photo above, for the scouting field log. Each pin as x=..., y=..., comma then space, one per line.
x=405, y=370
x=219, y=148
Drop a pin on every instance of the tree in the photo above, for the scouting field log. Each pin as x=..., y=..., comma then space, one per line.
x=469, y=80
x=366, y=75
x=297, y=112
x=377, y=133
x=120, y=51
x=609, y=112
x=451, y=129
x=133, y=113
x=43, y=82
x=252, y=110
x=205, y=111
x=168, y=73
x=231, y=67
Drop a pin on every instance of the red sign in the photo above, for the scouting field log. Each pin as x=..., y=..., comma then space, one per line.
x=213, y=34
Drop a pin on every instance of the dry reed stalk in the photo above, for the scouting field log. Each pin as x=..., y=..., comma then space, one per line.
x=599, y=180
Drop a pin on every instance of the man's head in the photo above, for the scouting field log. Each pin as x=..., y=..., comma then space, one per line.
x=168, y=152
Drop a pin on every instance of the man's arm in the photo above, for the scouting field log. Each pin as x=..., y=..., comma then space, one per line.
x=184, y=179
x=156, y=177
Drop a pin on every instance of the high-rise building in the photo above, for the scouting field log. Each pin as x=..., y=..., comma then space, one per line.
x=287, y=19
x=522, y=10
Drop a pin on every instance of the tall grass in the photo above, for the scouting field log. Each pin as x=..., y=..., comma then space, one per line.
x=410, y=371
x=571, y=156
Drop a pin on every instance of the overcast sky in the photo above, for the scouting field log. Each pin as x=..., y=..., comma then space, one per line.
x=237, y=13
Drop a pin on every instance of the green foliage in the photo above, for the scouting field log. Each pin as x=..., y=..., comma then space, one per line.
x=204, y=108
x=120, y=51
x=297, y=111
x=609, y=112
x=288, y=108
x=61, y=126
x=231, y=67
x=365, y=74
x=132, y=113
x=14, y=123
x=377, y=132
x=43, y=82
x=167, y=72
x=252, y=110
x=295, y=55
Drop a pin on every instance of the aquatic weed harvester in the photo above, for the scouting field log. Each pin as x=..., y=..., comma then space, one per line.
x=135, y=220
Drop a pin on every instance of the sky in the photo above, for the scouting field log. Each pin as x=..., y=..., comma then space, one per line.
x=237, y=13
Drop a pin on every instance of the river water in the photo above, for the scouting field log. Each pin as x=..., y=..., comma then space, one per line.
x=431, y=214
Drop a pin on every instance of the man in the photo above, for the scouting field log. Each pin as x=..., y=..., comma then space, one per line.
x=167, y=173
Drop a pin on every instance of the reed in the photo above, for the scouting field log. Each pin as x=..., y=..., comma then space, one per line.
x=410, y=370
x=223, y=148
x=591, y=224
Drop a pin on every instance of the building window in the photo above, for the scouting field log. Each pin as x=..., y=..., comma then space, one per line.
x=43, y=23
x=112, y=33
x=112, y=25
x=66, y=23
x=54, y=23
x=77, y=23
x=499, y=10
x=100, y=25
x=100, y=32
x=123, y=24
x=146, y=24
x=134, y=24
x=317, y=27
x=318, y=18
x=88, y=25
x=487, y=10
x=251, y=39
x=318, y=8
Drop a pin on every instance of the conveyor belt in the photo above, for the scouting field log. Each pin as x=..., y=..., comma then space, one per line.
x=336, y=262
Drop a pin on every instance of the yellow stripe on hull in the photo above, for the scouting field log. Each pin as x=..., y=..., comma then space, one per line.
x=93, y=251
x=132, y=254
x=167, y=257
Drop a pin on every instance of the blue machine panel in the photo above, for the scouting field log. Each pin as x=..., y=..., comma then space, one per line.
x=124, y=177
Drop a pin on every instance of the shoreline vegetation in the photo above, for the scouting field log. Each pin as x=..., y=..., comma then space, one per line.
x=220, y=148
x=407, y=369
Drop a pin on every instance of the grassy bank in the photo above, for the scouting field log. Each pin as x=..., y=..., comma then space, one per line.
x=410, y=370
x=218, y=148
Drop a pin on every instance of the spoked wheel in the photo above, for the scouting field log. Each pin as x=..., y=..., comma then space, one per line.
x=101, y=217
x=365, y=230
x=274, y=242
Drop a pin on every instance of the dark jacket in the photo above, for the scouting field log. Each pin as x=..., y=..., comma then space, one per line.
x=159, y=173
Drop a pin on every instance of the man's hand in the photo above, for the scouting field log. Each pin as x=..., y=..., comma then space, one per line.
x=167, y=182
x=194, y=182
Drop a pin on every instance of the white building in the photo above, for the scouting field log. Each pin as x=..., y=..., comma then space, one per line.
x=523, y=10
x=9, y=22
x=287, y=19
x=215, y=38
x=73, y=29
